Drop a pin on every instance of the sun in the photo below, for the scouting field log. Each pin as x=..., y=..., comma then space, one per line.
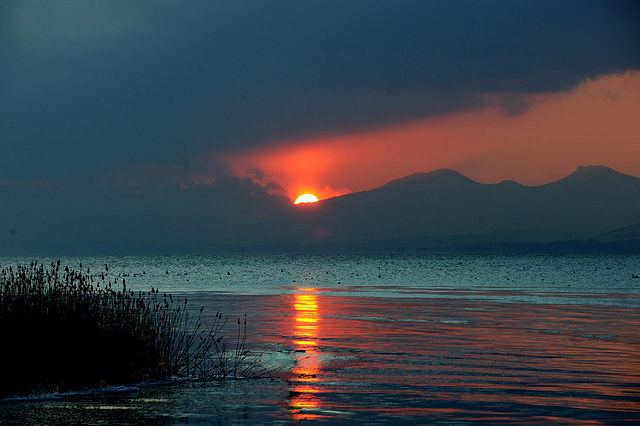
x=306, y=198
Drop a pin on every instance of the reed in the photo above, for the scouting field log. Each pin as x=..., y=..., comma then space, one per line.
x=63, y=330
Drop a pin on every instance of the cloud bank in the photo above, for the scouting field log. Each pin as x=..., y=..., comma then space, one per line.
x=596, y=122
x=95, y=86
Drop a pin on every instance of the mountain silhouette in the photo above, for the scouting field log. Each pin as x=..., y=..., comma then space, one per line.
x=623, y=234
x=444, y=207
x=442, y=210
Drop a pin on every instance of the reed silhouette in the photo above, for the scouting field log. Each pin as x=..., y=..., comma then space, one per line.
x=64, y=331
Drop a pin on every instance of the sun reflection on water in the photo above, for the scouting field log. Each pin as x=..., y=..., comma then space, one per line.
x=308, y=364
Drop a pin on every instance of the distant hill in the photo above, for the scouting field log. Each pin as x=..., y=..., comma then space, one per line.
x=627, y=233
x=444, y=208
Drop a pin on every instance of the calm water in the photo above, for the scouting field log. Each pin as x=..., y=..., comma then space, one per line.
x=381, y=339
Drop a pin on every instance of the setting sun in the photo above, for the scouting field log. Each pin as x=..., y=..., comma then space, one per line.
x=306, y=198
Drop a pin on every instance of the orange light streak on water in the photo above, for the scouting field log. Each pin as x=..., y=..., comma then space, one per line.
x=472, y=359
x=308, y=364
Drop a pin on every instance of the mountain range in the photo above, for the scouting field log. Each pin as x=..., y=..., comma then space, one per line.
x=444, y=209
x=595, y=209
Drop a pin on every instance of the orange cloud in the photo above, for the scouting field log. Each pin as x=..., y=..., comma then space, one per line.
x=598, y=122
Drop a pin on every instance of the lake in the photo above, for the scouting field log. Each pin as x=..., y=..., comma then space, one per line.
x=435, y=339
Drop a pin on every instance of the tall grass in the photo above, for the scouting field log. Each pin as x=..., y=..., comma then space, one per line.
x=64, y=331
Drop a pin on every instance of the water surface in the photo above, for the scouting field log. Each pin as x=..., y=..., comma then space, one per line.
x=381, y=339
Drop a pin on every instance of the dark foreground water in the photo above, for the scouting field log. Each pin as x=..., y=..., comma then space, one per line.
x=394, y=339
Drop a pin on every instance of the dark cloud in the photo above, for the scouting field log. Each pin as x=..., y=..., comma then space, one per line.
x=91, y=87
x=52, y=219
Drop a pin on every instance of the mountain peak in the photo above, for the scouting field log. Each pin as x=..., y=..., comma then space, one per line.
x=593, y=171
x=597, y=175
x=436, y=175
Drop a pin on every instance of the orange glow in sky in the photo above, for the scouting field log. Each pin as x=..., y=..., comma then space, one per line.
x=596, y=123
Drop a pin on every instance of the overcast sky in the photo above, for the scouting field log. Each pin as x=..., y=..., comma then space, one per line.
x=88, y=87
x=147, y=93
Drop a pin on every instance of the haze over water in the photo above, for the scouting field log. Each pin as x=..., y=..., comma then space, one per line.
x=429, y=339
